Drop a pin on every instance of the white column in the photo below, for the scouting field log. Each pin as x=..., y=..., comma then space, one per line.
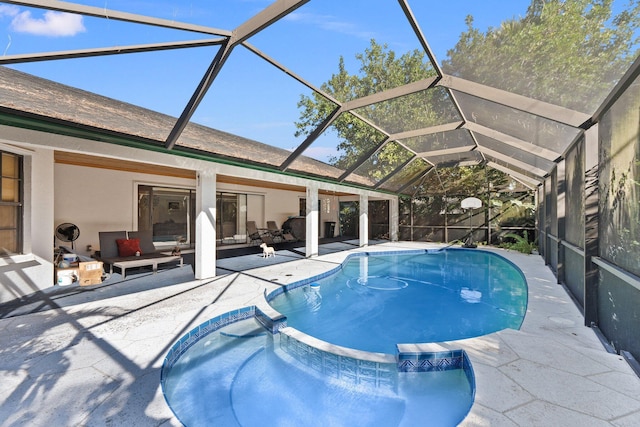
x=364, y=220
x=205, y=257
x=313, y=215
x=394, y=219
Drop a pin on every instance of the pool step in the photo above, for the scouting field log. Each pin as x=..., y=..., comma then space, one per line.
x=244, y=329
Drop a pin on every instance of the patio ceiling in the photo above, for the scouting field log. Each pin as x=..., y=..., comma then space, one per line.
x=478, y=124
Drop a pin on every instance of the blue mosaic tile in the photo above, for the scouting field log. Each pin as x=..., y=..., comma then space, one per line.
x=344, y=368
x=193, y=336
x=431, y=361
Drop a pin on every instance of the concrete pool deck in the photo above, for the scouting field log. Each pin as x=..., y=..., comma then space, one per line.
x=95, y=361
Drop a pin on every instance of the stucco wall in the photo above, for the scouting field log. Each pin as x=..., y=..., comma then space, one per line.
x=100, y=200
x=23, y=274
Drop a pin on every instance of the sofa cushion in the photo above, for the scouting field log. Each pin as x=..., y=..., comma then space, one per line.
x=108, y=245
x=146, y=240
x=128, y=247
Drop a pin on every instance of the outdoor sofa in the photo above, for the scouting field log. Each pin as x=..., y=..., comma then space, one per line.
x=123, y=250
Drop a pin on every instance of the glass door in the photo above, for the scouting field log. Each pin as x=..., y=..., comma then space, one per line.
x=168, y=212
x=231, y=221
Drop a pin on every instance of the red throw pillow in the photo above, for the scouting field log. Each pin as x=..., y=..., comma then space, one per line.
x=128, y=247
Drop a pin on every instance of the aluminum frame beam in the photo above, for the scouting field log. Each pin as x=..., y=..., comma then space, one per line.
x=521, y=177
x=426, y=131
x=408, y=13
x=446, y=151
x=514, y=142
x=388, y=94
x=543, y=109
x=99, y=12
x=257, y=23
x=117, y=50
x=515, y=162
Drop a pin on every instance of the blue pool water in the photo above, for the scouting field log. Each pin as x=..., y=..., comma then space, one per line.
x=231, y=380
x=375, y=302
x=231, y=371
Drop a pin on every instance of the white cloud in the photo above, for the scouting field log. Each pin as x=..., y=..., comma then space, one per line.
x=8, y=10
x=54, y=24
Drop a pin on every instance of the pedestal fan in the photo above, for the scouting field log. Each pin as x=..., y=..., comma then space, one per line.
x=67, y=232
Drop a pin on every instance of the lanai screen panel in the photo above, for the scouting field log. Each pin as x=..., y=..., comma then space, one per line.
x=333, y=44
x=529, y=161
x=141, y=78
x=405, y=180
x=619, y=167
x=575, y=172
x=574, y=263
x=526, y=127
x=413, y=111
x=378, y=166
x=345, y=143
x=547, y=52
x=457, y=139
x=469, y=158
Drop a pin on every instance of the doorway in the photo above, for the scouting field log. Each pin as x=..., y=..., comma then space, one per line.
x=348, y=217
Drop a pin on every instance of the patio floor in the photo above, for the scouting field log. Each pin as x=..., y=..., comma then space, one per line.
x=92, y=357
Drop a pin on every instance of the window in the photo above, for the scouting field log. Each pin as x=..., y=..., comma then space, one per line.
x=10, y=204
x=168, y=212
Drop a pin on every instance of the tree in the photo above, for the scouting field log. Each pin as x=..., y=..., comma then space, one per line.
x=380, y=69
x=566, y=52
x=570, y=53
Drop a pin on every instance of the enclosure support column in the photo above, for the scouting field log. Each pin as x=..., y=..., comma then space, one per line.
x=364, y=220
x=313, y=216
x=591, y=210
x=205, y=257
x=560, y=211
x=394, y=219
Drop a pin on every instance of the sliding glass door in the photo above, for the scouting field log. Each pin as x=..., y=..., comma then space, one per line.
x=168, y=212
x=231, y=217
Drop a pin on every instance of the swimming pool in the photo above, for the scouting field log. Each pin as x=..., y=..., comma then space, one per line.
x=374, y=302
x=247, y=367
x=246, y=377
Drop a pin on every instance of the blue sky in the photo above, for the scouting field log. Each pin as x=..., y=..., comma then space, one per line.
x=249, y=98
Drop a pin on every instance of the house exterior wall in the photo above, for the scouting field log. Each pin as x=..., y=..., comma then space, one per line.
x=101, y=200
x=97, y=199
x=25, y=273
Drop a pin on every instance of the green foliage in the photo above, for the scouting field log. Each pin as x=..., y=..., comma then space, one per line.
x=380, y=69
x=569, y=53
x=519, y=243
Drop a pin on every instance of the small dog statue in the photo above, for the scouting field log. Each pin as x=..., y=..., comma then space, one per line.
x=176, y=251
x=267, y=251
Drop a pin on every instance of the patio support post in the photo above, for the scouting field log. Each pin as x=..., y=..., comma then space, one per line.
x=313, y=214
x=394, y=219
x=364, y=220
x=205, y=257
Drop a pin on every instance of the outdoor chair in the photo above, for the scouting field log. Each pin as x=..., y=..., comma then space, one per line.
x=274, y=230
x=258, y=235
x=279, y=233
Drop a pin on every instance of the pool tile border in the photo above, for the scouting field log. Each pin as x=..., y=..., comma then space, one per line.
x=199, y=332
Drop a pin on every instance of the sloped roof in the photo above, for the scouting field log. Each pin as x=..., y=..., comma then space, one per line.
x=22, y=93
